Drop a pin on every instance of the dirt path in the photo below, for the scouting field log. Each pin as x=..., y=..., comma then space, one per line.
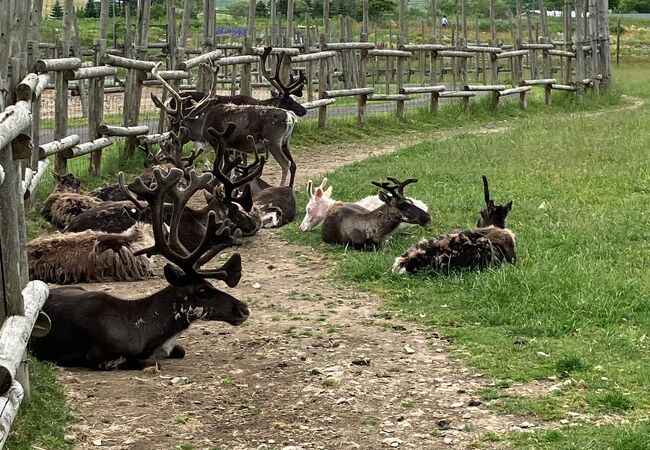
x=316, y=366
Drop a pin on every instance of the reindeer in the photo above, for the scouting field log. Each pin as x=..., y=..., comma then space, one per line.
x=320, y=202
x=281, y=97
x=262, y=122
x=354, y=225
x=90, y=256
x=275, y=205
x=66, y=201
x=489, y=245
x=102, y=331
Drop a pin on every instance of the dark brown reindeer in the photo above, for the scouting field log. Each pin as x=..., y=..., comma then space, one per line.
x=102, y=331
x=356, y=226
x=489, y=245
x=262, y=122
x=67, y=201
x=281, y=97
x=276, y=204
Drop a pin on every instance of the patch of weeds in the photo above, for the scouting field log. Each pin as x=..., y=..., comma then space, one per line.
x=331, y=382
x=468, y=426
x=408, y=403
x=369, y=421
x=254, y=410
x=333, y=329
x=275, y=318
x=614, y=401
x=488, y=394
x=545, y=408
x=491, y=436
x=503, y=384
x=569, y=364
x=182, y=420
x=187, y=447
x=226, y=382
x=289, y=331
x=436, y=433
x=307, y=333
x=395, y=369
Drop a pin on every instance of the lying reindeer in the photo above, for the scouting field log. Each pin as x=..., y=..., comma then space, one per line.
x=90, y=256
x=320, y=202
x=276, y=205
x=490, y=245
x=354, y=225
x=102, y=331
x=66, y=202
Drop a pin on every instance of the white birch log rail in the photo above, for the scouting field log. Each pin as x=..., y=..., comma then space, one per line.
x=89, y=72
x=517, y=90
x=26, y=88
x=318, y=103
x=538, y=82
x=349, y=46
x=36, y=178
x=50, y=65
x=510, y=54
x=481, y=49
x=290, y=51
x=167, y=75
x=455, y=94
x=484, y=88
x=394, y=53
x=537, y=46
x=127, y=63
x=562, y=53
x=2, y=175
x=243, y=59
x=53, y=147
x=388, y=97
x=306, y=57
x=9, y=404
x=193, y=62
x=349, y=92
x=455, y=54
x=425, y=47
x=563, y=87
x=109, y=130
x=421, y=89
x=14, y=120
x=87, y=147
x=154, y=138
x=16, y=330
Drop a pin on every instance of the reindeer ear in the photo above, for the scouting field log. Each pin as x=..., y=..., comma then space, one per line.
x=310, y=189
x=384, y=197
x=245, y=200
x=175, y=276
x=509, y=206
x=319, y=193
x=328, y=192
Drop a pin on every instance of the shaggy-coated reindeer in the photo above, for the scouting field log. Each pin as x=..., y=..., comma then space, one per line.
x=490, y=245
x=281, y=98
x=275, y=204
x=262, y=122
x=320, y=202
x=90, y=256
x=102, y=331
x=66, y=202
x=354, y=225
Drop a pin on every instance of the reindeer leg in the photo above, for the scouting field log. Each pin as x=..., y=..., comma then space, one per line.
x=292, y=164
x=278, y=153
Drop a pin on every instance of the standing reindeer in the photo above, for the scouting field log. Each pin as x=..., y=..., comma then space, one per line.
x=102, y=331
x=262, y=122
x=354, y=225
x=282, y=99
x=490, y=245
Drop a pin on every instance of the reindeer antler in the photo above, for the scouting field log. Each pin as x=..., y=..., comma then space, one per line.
x=218, y=235
x=294, y=87
x=486, y=192
x=397, y=189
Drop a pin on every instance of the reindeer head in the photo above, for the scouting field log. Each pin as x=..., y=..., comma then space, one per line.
x=393, y=196
x=493, y=214
x=282, y=98
x=317, y=206
x=66, y=183
x=194, y=296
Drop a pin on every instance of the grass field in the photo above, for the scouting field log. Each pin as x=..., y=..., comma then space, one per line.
x=577, y=305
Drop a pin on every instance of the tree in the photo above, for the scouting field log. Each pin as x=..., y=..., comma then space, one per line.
x=261, y=9
x=378, y=8
x=90, y=10
x=57, y=10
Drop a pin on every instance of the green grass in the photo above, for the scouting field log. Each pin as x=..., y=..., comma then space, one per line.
x=579, y=295
x=43, y=422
